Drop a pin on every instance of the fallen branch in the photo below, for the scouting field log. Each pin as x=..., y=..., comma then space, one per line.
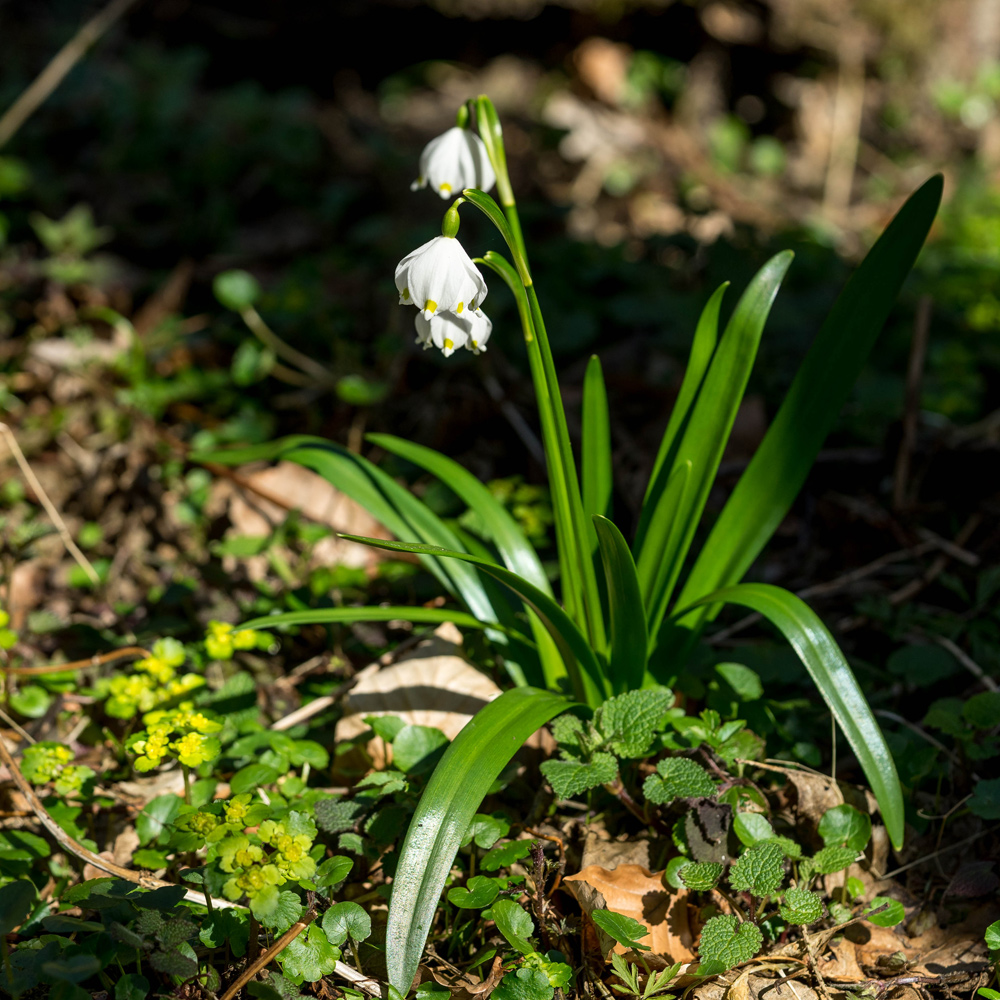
x=92, y=661
x=143, y=879
x=43, y=499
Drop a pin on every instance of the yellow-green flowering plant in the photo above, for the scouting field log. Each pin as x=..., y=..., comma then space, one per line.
x=628, y=610
x=154, y=682
x=181, y=733
x=48, y=761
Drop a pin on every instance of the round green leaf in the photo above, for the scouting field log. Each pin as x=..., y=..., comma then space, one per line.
x=236, y=290
x=892, y=914
x=346, y=920
x=845, y=826
x=476, y=894
x=751, y=827
x=16, y=900
x=416, y=748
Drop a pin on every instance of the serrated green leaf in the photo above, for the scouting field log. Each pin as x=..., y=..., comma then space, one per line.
x=631, y=721
x=514, y=924
x=726, y=940
x=800, y=906
x=701, y=875
x=845, y=826
x=759, y=870
x=833, y=859
x=287, y=910
x=752, y=827
x=337, y=815
x=569, y=778
x=625, y=930
x=132, y=986
x=677, y=778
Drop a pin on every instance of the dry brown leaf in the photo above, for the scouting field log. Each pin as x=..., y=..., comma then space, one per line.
x=609, y=854
x=815, y=793
x=636, y=892
x=440, y=690
x=297, y=488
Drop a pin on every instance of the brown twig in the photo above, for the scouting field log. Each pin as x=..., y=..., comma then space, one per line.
x=266, y=957
x=93, y=661
x=911, y=407
x=44, y=500
x=61, y=63
x=65, y=841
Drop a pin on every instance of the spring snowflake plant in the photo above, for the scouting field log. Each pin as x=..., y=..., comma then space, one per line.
x=628, y=611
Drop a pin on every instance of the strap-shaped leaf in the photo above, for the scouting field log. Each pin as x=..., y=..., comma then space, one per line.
x=822, y=657
x=628, y=617
x=421, y=615
x=777, y=471
x=666, y=527
x=586, y=675
x=595, y=451
x=388, y=502
x=706, y=336
x=514, y=548
x=704, y=438
x=456, y=788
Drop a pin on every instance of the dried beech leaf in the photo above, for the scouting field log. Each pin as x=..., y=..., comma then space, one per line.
x=640, y=894
x=443, y=691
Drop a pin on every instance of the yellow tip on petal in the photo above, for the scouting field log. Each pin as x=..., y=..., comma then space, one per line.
x=444, y=188
x=449, y=344
x=430, y=305
x=461, y=306
x=406, y=293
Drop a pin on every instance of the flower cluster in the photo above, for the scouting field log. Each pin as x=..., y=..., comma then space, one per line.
x=182, y=732
x=441, y=280
x=223, y=639
x=47, y=761
x=154, y=684
x=7, y=636
x=254, y=869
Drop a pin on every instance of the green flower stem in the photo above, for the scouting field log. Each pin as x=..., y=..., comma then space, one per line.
x=269, y=338
x=187, y=782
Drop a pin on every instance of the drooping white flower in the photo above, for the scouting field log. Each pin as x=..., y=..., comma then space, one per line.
x=448, y=331
x=455, y=160
x=440, y=277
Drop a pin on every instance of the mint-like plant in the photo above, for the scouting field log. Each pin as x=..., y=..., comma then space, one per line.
x=629, y=611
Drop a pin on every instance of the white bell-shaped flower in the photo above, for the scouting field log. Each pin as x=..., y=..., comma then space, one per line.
x=448, y=331
x=440, y=277
x=455, y=160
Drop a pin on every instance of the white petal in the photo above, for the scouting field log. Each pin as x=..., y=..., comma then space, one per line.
x=455, y=160
x=440, y=277
x=480, y=328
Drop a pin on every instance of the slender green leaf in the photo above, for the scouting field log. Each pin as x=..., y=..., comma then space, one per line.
x=595, y=463
x=588, y=679
x=550, y=410
x=777, y=471
x=331, y=616
x=712, y=414
x=453, y=794
x=665, y=528
x=706, y=336
x=628, y=618
x=516, y=551
x=836, y=682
